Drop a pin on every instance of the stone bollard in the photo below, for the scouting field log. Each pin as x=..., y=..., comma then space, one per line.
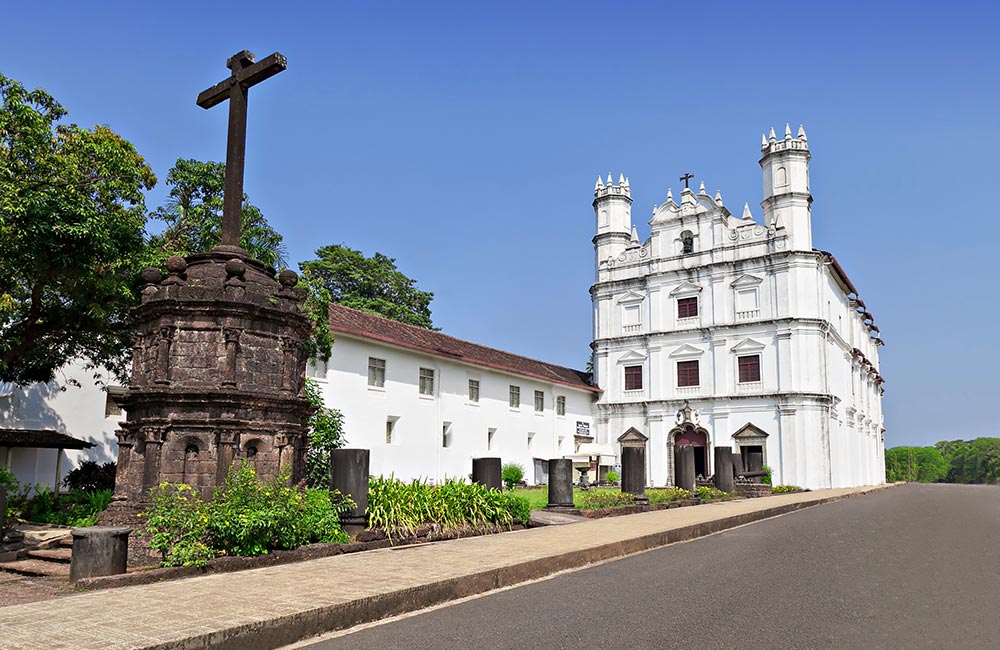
x=684, y=467
x=560, y=483
x=724, y=469
x=349, y=476
x=486, y=471
x=98, y=551
x=634, y=473
x=738, y=463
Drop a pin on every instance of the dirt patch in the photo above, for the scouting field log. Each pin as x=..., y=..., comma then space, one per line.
x=18, y=590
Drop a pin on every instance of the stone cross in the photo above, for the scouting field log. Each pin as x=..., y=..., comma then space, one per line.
x=686, y=177
x=246, y=73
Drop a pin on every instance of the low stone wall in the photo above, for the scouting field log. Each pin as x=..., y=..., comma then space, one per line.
x=365, y=541
x=616, y=511
x=753, y=490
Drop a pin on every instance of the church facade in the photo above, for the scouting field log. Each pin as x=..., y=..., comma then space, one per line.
x=734, y=332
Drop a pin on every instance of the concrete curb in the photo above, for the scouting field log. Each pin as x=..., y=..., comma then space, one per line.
x=285, y=630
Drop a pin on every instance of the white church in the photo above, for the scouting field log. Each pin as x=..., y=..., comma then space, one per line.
x=716, y=331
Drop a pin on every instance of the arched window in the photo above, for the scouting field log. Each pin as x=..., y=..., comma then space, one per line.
x=687, y=242
x=189, y=471
x=780, y=177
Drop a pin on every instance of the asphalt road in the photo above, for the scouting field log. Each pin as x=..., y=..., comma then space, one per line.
x=916, y=566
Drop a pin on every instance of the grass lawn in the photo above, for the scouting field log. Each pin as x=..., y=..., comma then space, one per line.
x=539, y=496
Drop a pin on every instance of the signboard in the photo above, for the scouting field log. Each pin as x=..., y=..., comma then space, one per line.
x=582, y=428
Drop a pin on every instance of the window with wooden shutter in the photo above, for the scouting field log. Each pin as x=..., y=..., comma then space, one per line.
x=687, y=373
x=749, y=367
x=687, y=307
x=633, y=377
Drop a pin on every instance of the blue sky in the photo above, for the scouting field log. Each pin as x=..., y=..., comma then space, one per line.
x=463, y=139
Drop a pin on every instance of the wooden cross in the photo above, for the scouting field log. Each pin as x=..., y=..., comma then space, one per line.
x=246, y=73
x=686, y=177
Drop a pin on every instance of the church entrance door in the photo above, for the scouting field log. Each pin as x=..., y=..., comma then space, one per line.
x=691, y=437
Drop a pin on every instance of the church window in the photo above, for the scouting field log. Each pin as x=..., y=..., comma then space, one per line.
x=515, y=397
x=531, y=440
x=539, y=401
x=561, y=405
x=687, y=373
x=780, y=177
x=604, y=219
x=376, y=372
x=749, y=368
x=474, y=390
x=446, y=434
x=426, y=381
x=390, y=430
x=490, y=434
x=687, y=242
x=687, y=307
x=633, y=377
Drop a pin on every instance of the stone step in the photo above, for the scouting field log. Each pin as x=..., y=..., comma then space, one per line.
x=60, y=554
x=37, y=568
x=66, y=542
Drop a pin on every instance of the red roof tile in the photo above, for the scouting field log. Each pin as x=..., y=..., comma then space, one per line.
x=362, y=324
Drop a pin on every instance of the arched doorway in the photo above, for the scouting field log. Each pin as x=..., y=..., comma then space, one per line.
x=689, y=436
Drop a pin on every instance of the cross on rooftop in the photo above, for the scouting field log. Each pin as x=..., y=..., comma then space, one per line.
x=246, y=73
x=686, y=177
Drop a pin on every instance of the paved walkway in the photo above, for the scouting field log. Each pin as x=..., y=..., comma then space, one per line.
x=270, y=607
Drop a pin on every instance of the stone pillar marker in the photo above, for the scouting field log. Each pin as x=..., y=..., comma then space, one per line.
x=724, y=469
x=684, y=467
x=99, y=551
x=349, y=476
x=487, y=471
x=560, y=483
x=633, y=444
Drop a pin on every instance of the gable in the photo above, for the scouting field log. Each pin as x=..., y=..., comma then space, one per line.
x=750, y=432
x=748, y=345
x=746, y=280
x=687, y=288
x=687, y=351
x=632, y=356
x=632, y=437
x=631, y=296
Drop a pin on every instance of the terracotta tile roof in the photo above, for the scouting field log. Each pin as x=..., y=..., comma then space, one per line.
x=362, y=324
x=40, y=439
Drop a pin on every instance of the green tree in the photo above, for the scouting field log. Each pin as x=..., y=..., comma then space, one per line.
x=972, y=461
x=326, y=433
x=372, y=284
x=193, y=217
x=71, y=238
x=921, y=464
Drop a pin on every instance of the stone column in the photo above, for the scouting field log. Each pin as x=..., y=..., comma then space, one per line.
x=486, y=471
x=560, y=483
x=232, y=345
x=634, y=472
x=98, y=551
x=724, y=469
x=349, y=476
x=3, y=509
x=225, y=446
x=152, y=456
x=684, y=467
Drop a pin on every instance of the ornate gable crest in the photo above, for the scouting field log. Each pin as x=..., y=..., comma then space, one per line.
x=632, y=438
x=750, y=432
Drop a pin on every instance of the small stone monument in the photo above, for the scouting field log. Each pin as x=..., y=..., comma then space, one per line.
x=560, y=484
x=349, y=476
x=633, y=444
x=98, y=551
x=684, y=467
x=488, y=472
x=724, y=469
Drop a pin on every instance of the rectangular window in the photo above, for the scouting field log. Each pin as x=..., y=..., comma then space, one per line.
x=687, y=307
x=473, y=390
x=515, y=397
x=749, y=368
x=426, y=381
x=489, y=438
x=446, y=434
x=531, y=440
x=561, y=405
x=390, y=430
x=376, y=372
x=633, y=377
x=539, y=401
x=687, y=373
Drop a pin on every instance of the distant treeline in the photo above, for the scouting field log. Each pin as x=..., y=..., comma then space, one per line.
x=948, y=461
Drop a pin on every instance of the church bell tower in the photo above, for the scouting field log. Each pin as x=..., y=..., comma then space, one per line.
x=785, y=165
x=613, y=214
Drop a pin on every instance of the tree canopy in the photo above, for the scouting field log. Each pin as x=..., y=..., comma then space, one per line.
x=972, y=461
x=922, y=464
x=193, y=216
x=372, y=284
x=71, y=237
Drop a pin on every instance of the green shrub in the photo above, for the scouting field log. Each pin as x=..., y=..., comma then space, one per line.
x=709, y=492
x=399, y=508
x=766, y=479
x=612, y=477
x=518, y=506
x=666, y=495
x=785, y=489
x=512, y=474
x=326, y=433
x=92, y=476
x=177, y=523
x=596, y=499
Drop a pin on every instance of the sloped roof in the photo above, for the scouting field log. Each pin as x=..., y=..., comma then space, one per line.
x=41, y=439
x=364, y=325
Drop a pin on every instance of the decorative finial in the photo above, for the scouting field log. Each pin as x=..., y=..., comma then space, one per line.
x=670, y=194
x=599, y=184
x=626, y=181
x=621, y=179
x=788, y=131
x=701, y=189
x=763, y=141
x=635, y=235
x=802, y=133
x=771, y=136
x=610, y=182
x=746, y=212
x=718, y=198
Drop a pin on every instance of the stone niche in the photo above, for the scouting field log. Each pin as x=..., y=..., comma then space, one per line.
x=217, y=375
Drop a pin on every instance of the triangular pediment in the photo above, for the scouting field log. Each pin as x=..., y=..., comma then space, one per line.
x=685, y=288
x=632, y=435
x=632, y=296
x=750, y=432
x=748, y=345
x=687, y=351
x=747, y=280
x=632, y=356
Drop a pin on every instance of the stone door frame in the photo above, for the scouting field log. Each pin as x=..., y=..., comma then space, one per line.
x=671, y=473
